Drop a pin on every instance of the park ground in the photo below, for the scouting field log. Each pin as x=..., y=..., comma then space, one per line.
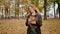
x=17, y=26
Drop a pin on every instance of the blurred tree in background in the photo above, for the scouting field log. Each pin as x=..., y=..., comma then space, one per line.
x=40, y=4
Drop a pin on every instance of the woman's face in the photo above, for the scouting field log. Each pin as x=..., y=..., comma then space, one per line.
x=31, y=9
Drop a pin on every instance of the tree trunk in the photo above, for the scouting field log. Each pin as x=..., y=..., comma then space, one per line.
x=59, y=9
x=15, y=12
x=9, y=13
x=18, y=8
x=2, y=12
x=54, y=11
x=6, y=12
x=45, y=3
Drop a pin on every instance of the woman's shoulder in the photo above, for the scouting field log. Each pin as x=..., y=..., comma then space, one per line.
x=39, y=14
x=28, y=15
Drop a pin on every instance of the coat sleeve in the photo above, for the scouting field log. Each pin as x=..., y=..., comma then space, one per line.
x=26, y=23
x=39, y=23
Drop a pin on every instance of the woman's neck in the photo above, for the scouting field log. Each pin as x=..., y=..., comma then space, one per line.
x=33, y=13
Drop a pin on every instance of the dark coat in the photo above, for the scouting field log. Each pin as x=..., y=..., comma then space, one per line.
x=38, y=24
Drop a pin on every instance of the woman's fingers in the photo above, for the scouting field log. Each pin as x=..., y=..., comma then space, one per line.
x=33, y=22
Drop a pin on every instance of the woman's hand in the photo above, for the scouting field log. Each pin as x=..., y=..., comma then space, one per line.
x=32, y=21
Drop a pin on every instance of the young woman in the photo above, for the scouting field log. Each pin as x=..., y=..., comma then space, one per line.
x=33, y=21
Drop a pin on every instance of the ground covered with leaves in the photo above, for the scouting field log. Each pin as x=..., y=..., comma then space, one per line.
x=15, y=26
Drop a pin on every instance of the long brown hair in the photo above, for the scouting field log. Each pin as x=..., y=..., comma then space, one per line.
x=35, y=9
